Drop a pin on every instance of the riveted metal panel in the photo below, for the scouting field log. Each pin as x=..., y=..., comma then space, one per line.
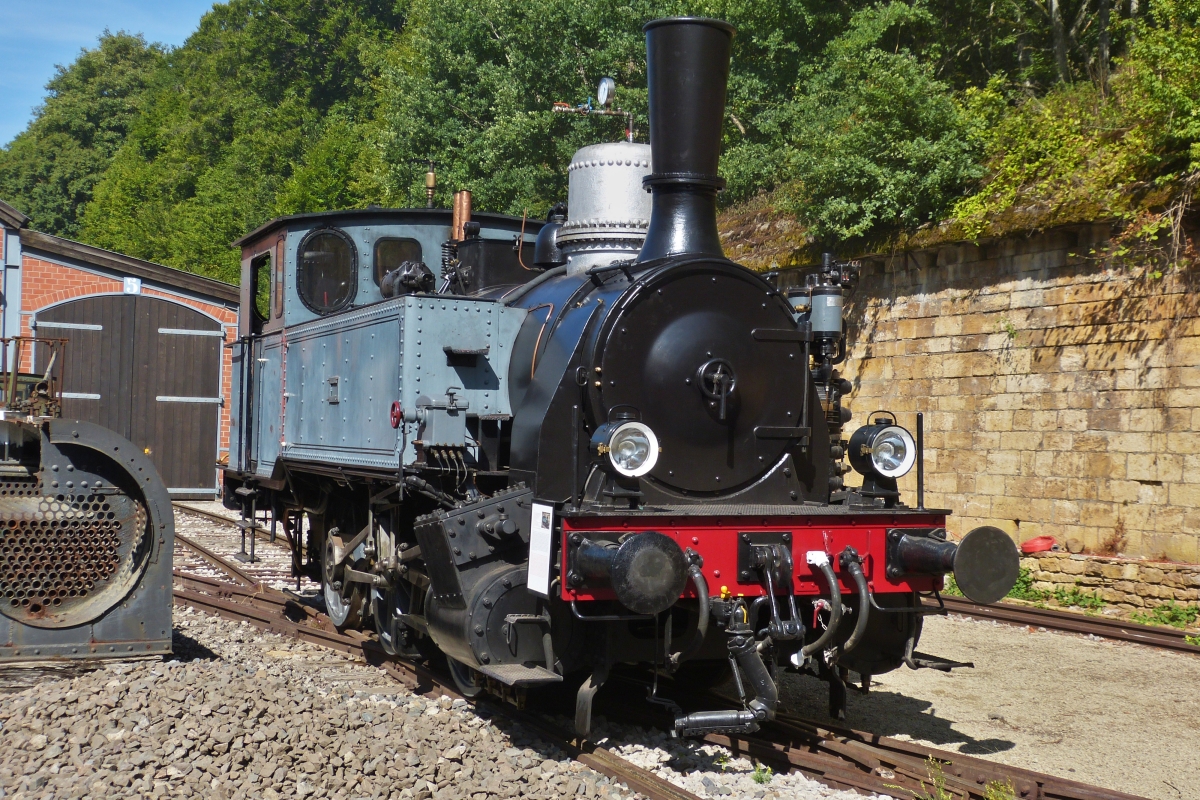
x=343, y=372
x=267, y=400
x=434, y=324
x=343, y=376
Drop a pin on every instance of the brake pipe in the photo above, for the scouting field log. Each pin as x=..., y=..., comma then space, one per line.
x=695, y=562
x=850, y=562
x=820, y=560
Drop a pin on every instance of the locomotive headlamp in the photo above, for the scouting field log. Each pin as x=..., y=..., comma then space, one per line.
x=884, y=449
x=631, y=447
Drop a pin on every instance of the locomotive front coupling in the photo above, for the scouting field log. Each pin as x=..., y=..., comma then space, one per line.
x=985, y=564
x=648, y=571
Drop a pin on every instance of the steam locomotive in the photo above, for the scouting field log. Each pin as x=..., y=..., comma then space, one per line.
x=594, y=442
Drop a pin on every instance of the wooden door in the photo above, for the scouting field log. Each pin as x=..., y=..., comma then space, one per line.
x=149, y=369
x=175, y=398
x=97, y=366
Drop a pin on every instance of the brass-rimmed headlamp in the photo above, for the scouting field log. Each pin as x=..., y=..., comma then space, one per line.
x=627, y=446
x=883, y=449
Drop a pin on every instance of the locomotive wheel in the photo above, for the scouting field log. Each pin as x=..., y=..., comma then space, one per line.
x=396, y=638
x=343, y=602
x=468, y=681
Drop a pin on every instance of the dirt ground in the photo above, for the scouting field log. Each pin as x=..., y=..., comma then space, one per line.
x=1116, y=715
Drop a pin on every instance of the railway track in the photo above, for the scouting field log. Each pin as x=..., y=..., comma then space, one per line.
x=849, y=759
x=845, y=758
x=839, y=757
x=272, y=564
x=273, y=611
x=1069, y=622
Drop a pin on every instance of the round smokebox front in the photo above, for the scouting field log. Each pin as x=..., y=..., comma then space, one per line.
x=681, y=349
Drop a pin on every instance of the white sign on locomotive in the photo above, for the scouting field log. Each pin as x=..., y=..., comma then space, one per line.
x=611, y=449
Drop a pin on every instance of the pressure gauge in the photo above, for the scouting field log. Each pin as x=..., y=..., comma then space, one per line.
x=605, y=92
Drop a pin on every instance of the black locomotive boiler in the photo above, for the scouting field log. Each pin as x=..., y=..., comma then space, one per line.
x=614, y=448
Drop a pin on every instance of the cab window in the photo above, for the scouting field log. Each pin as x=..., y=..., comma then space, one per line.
x=390, y=253
x=261, y=269
x=326, y=271
x=278, y=279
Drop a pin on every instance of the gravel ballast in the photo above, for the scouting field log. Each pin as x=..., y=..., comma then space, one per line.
x=237, y=713
x=241, y=714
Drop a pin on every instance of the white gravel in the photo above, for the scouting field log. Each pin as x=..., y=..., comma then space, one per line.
x=708, y=770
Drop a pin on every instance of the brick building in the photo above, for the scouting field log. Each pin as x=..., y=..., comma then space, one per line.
x=144, y=354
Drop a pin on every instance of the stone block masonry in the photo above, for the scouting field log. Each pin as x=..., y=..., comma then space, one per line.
x=1129, y=585
x=1061, y=393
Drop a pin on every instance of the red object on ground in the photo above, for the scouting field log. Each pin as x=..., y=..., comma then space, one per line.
x=1038, y=545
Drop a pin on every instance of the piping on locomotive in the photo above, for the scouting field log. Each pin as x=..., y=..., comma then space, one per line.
x=611, y=447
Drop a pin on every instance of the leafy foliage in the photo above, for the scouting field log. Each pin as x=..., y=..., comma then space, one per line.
x=1023, y=588
x=863, y=120
x=230, y=117
x=1170, y=613
x=1081, y=152
x=876, y=142
x=472, y=86
x=936, y=788
x=52, y=167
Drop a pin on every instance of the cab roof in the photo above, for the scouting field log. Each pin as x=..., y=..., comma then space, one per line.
x=420, y=216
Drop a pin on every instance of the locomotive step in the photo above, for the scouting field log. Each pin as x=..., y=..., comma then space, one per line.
x=519, y=674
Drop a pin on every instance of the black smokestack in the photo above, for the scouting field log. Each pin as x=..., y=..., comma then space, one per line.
x=687, y=65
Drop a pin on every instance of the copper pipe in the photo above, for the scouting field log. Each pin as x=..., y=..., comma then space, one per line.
x=542, y=330
x=462, y=214
x=521, y=241
x=456, y=218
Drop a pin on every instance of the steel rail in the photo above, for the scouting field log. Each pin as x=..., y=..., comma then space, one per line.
x=1069, y=622
x=965, y=776
x=843, y=758
x=280, y=541
x=239, y=575
x=1064, y=621
x=836, y=756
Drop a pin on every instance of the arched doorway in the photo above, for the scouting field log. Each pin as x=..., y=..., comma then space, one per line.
x=149, y=369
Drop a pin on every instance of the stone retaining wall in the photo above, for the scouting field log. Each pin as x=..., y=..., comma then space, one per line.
x=1061, y=393
x=1127, y=584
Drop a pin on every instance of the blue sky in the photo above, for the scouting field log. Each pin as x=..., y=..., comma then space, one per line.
x=35, y=35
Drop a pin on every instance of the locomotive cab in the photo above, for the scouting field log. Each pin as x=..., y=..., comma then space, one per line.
x=329, y=301
x=304, y=267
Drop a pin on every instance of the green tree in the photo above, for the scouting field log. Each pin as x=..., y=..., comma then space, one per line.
x=872, y=142
x=230, y=116
x=50, y=169
x=471, y=85
x=1082, y=153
